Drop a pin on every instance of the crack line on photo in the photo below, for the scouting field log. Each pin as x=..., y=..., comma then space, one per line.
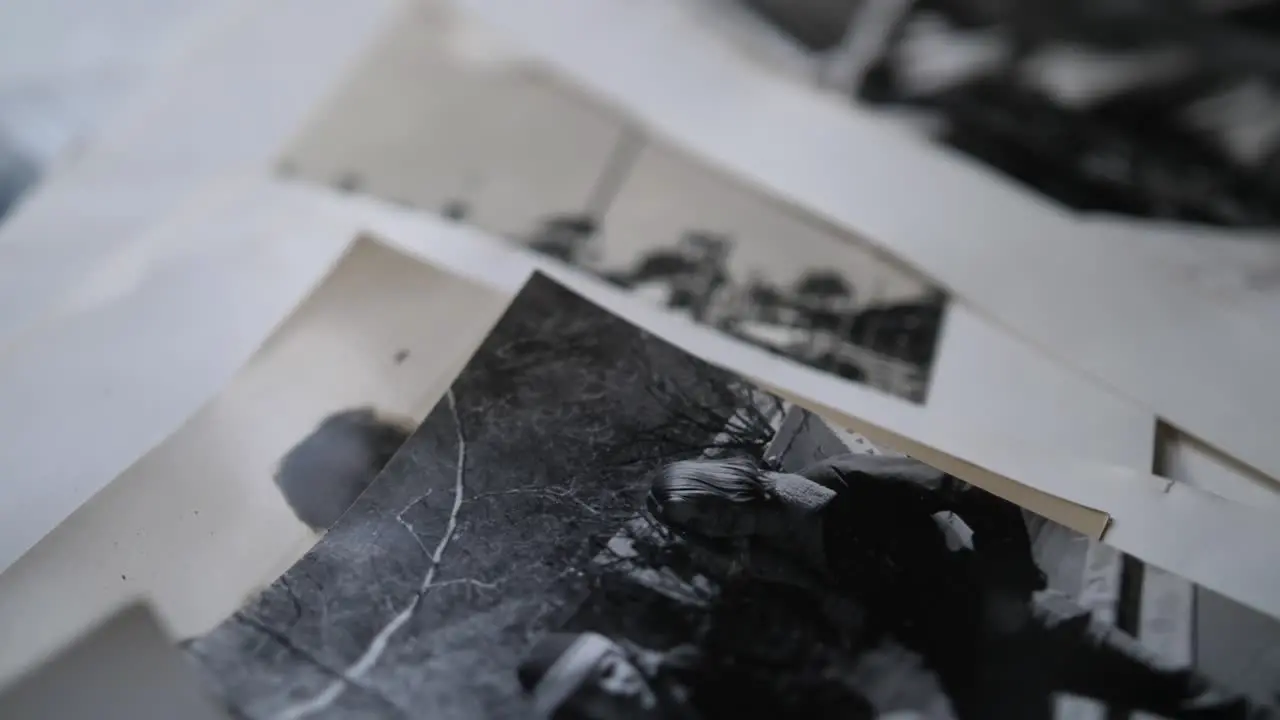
x=367, y=660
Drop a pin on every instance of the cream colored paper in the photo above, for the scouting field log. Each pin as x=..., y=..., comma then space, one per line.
x=197, y=523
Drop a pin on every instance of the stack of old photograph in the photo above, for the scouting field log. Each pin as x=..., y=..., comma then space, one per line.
x=593, y=523
x=603, y=492
x=1156, y=110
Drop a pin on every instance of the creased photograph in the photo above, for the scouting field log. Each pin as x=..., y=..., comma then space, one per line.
x=594, y=524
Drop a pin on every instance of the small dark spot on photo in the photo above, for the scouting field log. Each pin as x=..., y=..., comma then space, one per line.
x=197, y=512
x=455, y=210
x=401, y=356
x=123, y=577
x=349, y=182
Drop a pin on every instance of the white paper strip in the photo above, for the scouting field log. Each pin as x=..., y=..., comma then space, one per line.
x=1023, y=261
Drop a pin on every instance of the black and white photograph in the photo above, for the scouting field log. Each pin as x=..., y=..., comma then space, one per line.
x=445, y=116
x=594, y=524
x=1156, y=109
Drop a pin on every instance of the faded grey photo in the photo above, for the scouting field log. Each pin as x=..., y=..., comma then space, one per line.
x=593, y=523
x=1161, y=109
x=446, y=117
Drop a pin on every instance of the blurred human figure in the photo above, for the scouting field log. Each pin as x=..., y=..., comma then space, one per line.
x=866, y=524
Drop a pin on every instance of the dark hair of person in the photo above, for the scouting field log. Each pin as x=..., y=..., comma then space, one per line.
x=737, y=480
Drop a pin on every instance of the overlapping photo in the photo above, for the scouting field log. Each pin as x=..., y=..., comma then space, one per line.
x=446, y=116
x=593, y=523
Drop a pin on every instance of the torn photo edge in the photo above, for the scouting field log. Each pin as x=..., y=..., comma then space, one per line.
x=439, y=555
x=862, y=174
